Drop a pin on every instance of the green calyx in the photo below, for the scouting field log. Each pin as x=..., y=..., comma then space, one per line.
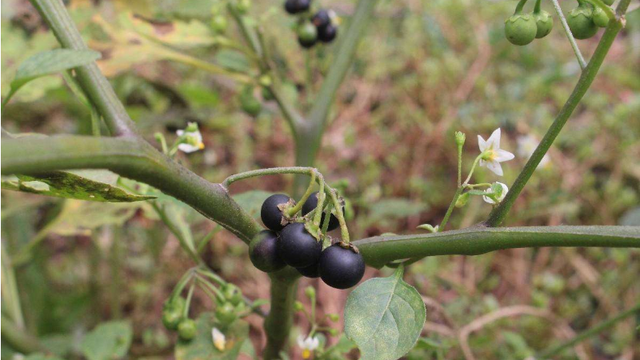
x=581, y=23
x=520, y=29
x=600, y=18
x=544, y=23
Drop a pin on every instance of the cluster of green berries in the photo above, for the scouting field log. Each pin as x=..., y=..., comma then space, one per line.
x=320, y=26
x=522, y=28
x=288, y=242
x=229, y=307
x=585, y=19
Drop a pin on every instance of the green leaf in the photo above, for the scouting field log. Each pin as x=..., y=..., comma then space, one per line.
x=251, y=201
x=233, y=60
x=202, y=348
x=384, y=316
x=91, y=185
x=51, y=62
x=107, y=341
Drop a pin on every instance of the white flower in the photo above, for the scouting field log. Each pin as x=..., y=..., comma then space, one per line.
x=493, y=154
x=308, y=345
x=527, y=144
x=193, y=140
x=219, y=340
x=489, y=200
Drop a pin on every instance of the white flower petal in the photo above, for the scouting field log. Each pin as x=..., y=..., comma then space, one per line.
x=187, y=148
x=495, y=167
x=314, y=343
x=482, y=144
x=503, y=155
x=505, y=190
x=219, y=340
x=301, y=341
x=482, y=163
x=180, y=132
x=494, y=139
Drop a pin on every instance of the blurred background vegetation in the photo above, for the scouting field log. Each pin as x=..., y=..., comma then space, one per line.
x=424, y=70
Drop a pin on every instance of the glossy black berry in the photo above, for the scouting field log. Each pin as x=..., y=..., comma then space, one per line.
x=311, y=204
x=297, y=6
x=311, y=271
x=307, y=44
x=263, y=252
x=341, y=268
x=297, y=247
x=270, y=213
x=321, y=19
x=327, y=33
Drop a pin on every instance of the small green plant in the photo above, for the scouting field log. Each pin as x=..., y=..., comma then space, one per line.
x=384, y=316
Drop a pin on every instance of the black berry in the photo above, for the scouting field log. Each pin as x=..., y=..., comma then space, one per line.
x=297, y=247
x=311, y=271
x=321, y=19
x=341, y=268
x=263, y=252
x=327, y=33
x=297, y=6
x=311, y=204
x=270, y=213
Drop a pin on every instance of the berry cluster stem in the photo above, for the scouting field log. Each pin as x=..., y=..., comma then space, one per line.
x=519, y=7
x=567, y=31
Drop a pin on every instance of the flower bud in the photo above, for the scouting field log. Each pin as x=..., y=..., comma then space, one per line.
x=462, y=200
x=460, y=138
x=310, y=292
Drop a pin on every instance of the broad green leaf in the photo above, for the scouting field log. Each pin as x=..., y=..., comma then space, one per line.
x=51, y=62
x=384, y=316
x=91, y=185
x=110, y=340
x=251, y=201
x=202, y=348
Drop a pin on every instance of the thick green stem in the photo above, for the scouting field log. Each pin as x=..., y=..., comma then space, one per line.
x=310, y=133
x=549, y=353
x=380, y=250
x=18, y=339
x=498, y=215
x=94, y=84
x=278, y=323
x=133, y=159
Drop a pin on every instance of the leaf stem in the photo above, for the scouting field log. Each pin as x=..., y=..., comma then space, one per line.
x=567, y=31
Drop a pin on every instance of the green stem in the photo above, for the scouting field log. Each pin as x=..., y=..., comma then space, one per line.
x=567, y=31
x=380, y=250
x=304, y=197
x=18, y=339
x=132, y=159
x=536, y=8
x=277, y=324
x=520, y=6
x=10, y=293
x=452, y=205
x=94, y=84
x=498, y=214
x=547, y=354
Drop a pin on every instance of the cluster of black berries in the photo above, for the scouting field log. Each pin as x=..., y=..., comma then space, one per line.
x=289, y=243
x=311, y=29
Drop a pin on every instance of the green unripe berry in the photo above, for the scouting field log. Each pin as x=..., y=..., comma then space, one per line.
x=171, y=318
x=608, y=2
x=187, y=329
x=219, y=24
x=600, y=18
x=520, y=29
x=248, y=102
x=297, y=306
x=242, y=6
x=307, y=32
x=580, y=22
x=310, y=292
x=544, y=23
x=334, y=317
x=232, y=293
x=226, y=313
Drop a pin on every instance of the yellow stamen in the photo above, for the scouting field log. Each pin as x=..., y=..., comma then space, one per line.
x=306, y=354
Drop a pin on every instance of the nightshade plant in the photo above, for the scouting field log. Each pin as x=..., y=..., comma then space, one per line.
x=383, y=316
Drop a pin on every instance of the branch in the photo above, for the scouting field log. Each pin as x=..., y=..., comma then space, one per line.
x=380, y=250
x=94, y=84
x=498, y=214
x=18, y=339
x=131, y=158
